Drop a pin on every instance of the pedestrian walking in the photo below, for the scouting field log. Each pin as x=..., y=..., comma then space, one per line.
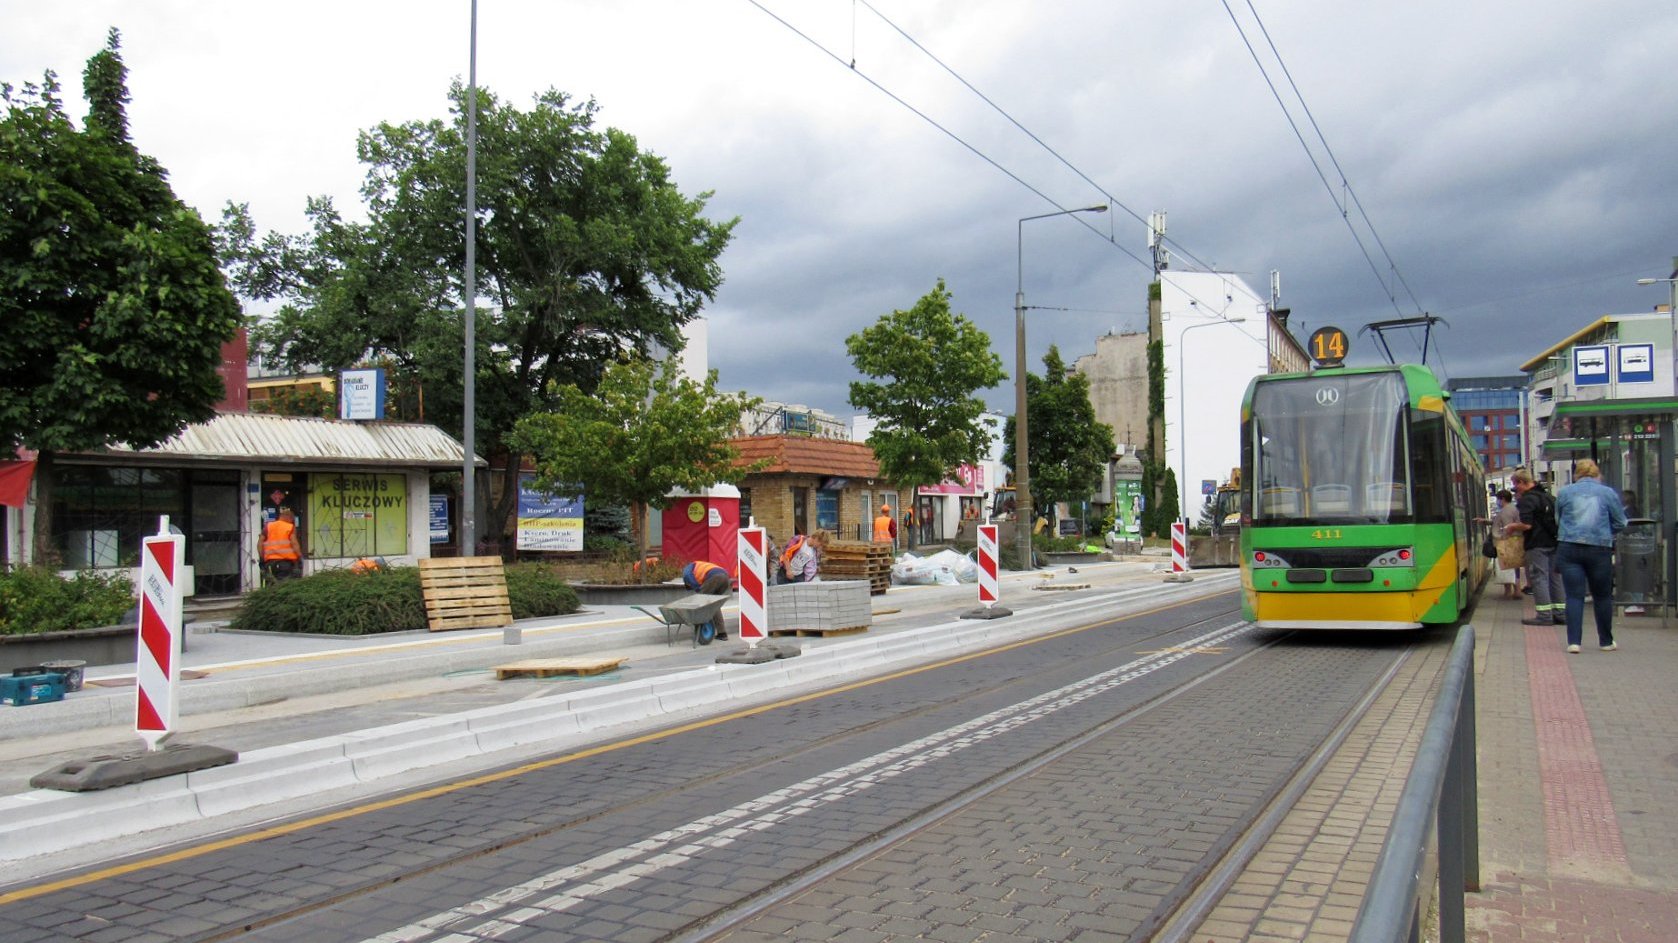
x=1588, y=514
x=1538, y=529
x=282, y=552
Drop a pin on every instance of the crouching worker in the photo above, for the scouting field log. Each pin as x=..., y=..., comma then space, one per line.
x=712, y=580
x=368, y=565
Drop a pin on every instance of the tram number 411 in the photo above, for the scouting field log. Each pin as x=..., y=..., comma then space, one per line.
x=1321, y=534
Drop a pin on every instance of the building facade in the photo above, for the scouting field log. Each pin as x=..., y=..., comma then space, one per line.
x=358, y=489
x=1492, y=409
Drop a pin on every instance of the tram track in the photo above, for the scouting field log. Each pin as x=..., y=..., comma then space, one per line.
x=1098, y=601
x=1166, y=640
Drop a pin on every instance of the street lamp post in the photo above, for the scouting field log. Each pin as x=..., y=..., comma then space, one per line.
x=1673, y=309
x=1022, y=470
x=1182, y=412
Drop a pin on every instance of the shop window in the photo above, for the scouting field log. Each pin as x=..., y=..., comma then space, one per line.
x=357, y=515
x=100, y=514
x=827, y=510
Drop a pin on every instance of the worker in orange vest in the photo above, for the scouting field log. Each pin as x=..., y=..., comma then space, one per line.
x=885, y=526
x=712, y=580
x=282, y=553
x=708, y=578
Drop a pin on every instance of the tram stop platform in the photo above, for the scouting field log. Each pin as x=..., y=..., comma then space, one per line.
x=1578, y=795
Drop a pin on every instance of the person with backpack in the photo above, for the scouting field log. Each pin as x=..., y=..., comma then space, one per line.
x=1538, y=527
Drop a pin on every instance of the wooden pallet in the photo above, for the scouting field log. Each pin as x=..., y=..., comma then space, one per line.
x=465, y=593
x=859, y=560
x=551, y=667
x=818, y=633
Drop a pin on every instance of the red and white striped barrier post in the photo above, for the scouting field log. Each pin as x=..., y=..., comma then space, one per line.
x=988, y=595
x=754, y=610
x=157, y=663
x=1179, y=553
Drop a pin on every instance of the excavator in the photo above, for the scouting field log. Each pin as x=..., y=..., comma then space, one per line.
x=1221, y=547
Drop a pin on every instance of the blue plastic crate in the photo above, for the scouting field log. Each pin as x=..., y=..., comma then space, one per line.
x=18, y=690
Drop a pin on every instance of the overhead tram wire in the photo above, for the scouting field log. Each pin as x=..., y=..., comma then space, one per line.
x=1182, y=250
x=1344, y=215
x=1392, y=265
x=929, y=120
x=851, y=66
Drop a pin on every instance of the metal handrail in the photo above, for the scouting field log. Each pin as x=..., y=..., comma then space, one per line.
x=1442, y=786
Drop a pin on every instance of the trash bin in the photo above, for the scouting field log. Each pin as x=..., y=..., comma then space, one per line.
x=1636, y=560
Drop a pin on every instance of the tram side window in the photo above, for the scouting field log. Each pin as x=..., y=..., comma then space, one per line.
x=1430, y=466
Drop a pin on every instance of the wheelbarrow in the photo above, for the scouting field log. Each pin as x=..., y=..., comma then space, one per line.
x=701, y=611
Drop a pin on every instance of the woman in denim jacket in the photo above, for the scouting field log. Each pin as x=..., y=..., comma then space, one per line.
x=1588, y=515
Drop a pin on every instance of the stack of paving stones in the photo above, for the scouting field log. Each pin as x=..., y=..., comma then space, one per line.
x=859, y=560
x=823, y=606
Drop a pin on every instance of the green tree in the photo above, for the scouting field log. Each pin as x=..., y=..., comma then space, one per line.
x=643, y=431
x=1068, y=450
x=586, y=252
x=114, y=310
x=932, y=361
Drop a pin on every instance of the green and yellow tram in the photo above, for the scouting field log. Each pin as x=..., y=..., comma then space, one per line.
x=1359, y=497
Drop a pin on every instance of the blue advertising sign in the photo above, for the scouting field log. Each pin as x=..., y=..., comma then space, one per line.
x=361, y=394
x=439, y=518
x=546, y=521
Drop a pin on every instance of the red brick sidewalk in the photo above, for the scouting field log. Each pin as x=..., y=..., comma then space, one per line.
x=1578, y=793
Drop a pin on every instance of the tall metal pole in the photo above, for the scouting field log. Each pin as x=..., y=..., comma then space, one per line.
x=1022, y=463
x=469, y=490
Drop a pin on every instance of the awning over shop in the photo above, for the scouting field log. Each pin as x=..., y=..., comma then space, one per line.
x=1576, y=422
x=14, y=482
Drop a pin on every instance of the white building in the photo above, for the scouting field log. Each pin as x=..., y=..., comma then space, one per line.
x=1215, y=331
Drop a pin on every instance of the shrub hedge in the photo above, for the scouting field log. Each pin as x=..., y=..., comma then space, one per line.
x=34, y=599
x=338, y=602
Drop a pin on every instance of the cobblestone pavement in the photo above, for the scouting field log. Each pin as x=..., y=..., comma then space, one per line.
x=1577, y=774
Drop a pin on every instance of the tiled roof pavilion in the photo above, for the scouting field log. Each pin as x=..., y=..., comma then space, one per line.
x=803, y=455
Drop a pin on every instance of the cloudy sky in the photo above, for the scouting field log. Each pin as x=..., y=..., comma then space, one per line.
x=1515, y=158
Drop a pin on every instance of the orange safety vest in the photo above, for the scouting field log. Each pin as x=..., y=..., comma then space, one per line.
x=882, y=528
x=276, y=541
x=792, y=548
x=364, y=565
x=701, y=569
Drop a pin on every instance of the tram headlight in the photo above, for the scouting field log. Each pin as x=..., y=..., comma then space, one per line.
x=1269, y=560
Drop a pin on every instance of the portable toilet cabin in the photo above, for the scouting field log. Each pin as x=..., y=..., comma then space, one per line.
x=703, y=526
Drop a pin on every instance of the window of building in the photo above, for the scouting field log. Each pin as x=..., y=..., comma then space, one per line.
x=100, y=514
x=357, y=515
x=827, y=510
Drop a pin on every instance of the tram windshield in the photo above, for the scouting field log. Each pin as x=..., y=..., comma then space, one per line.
x=1338, y=449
